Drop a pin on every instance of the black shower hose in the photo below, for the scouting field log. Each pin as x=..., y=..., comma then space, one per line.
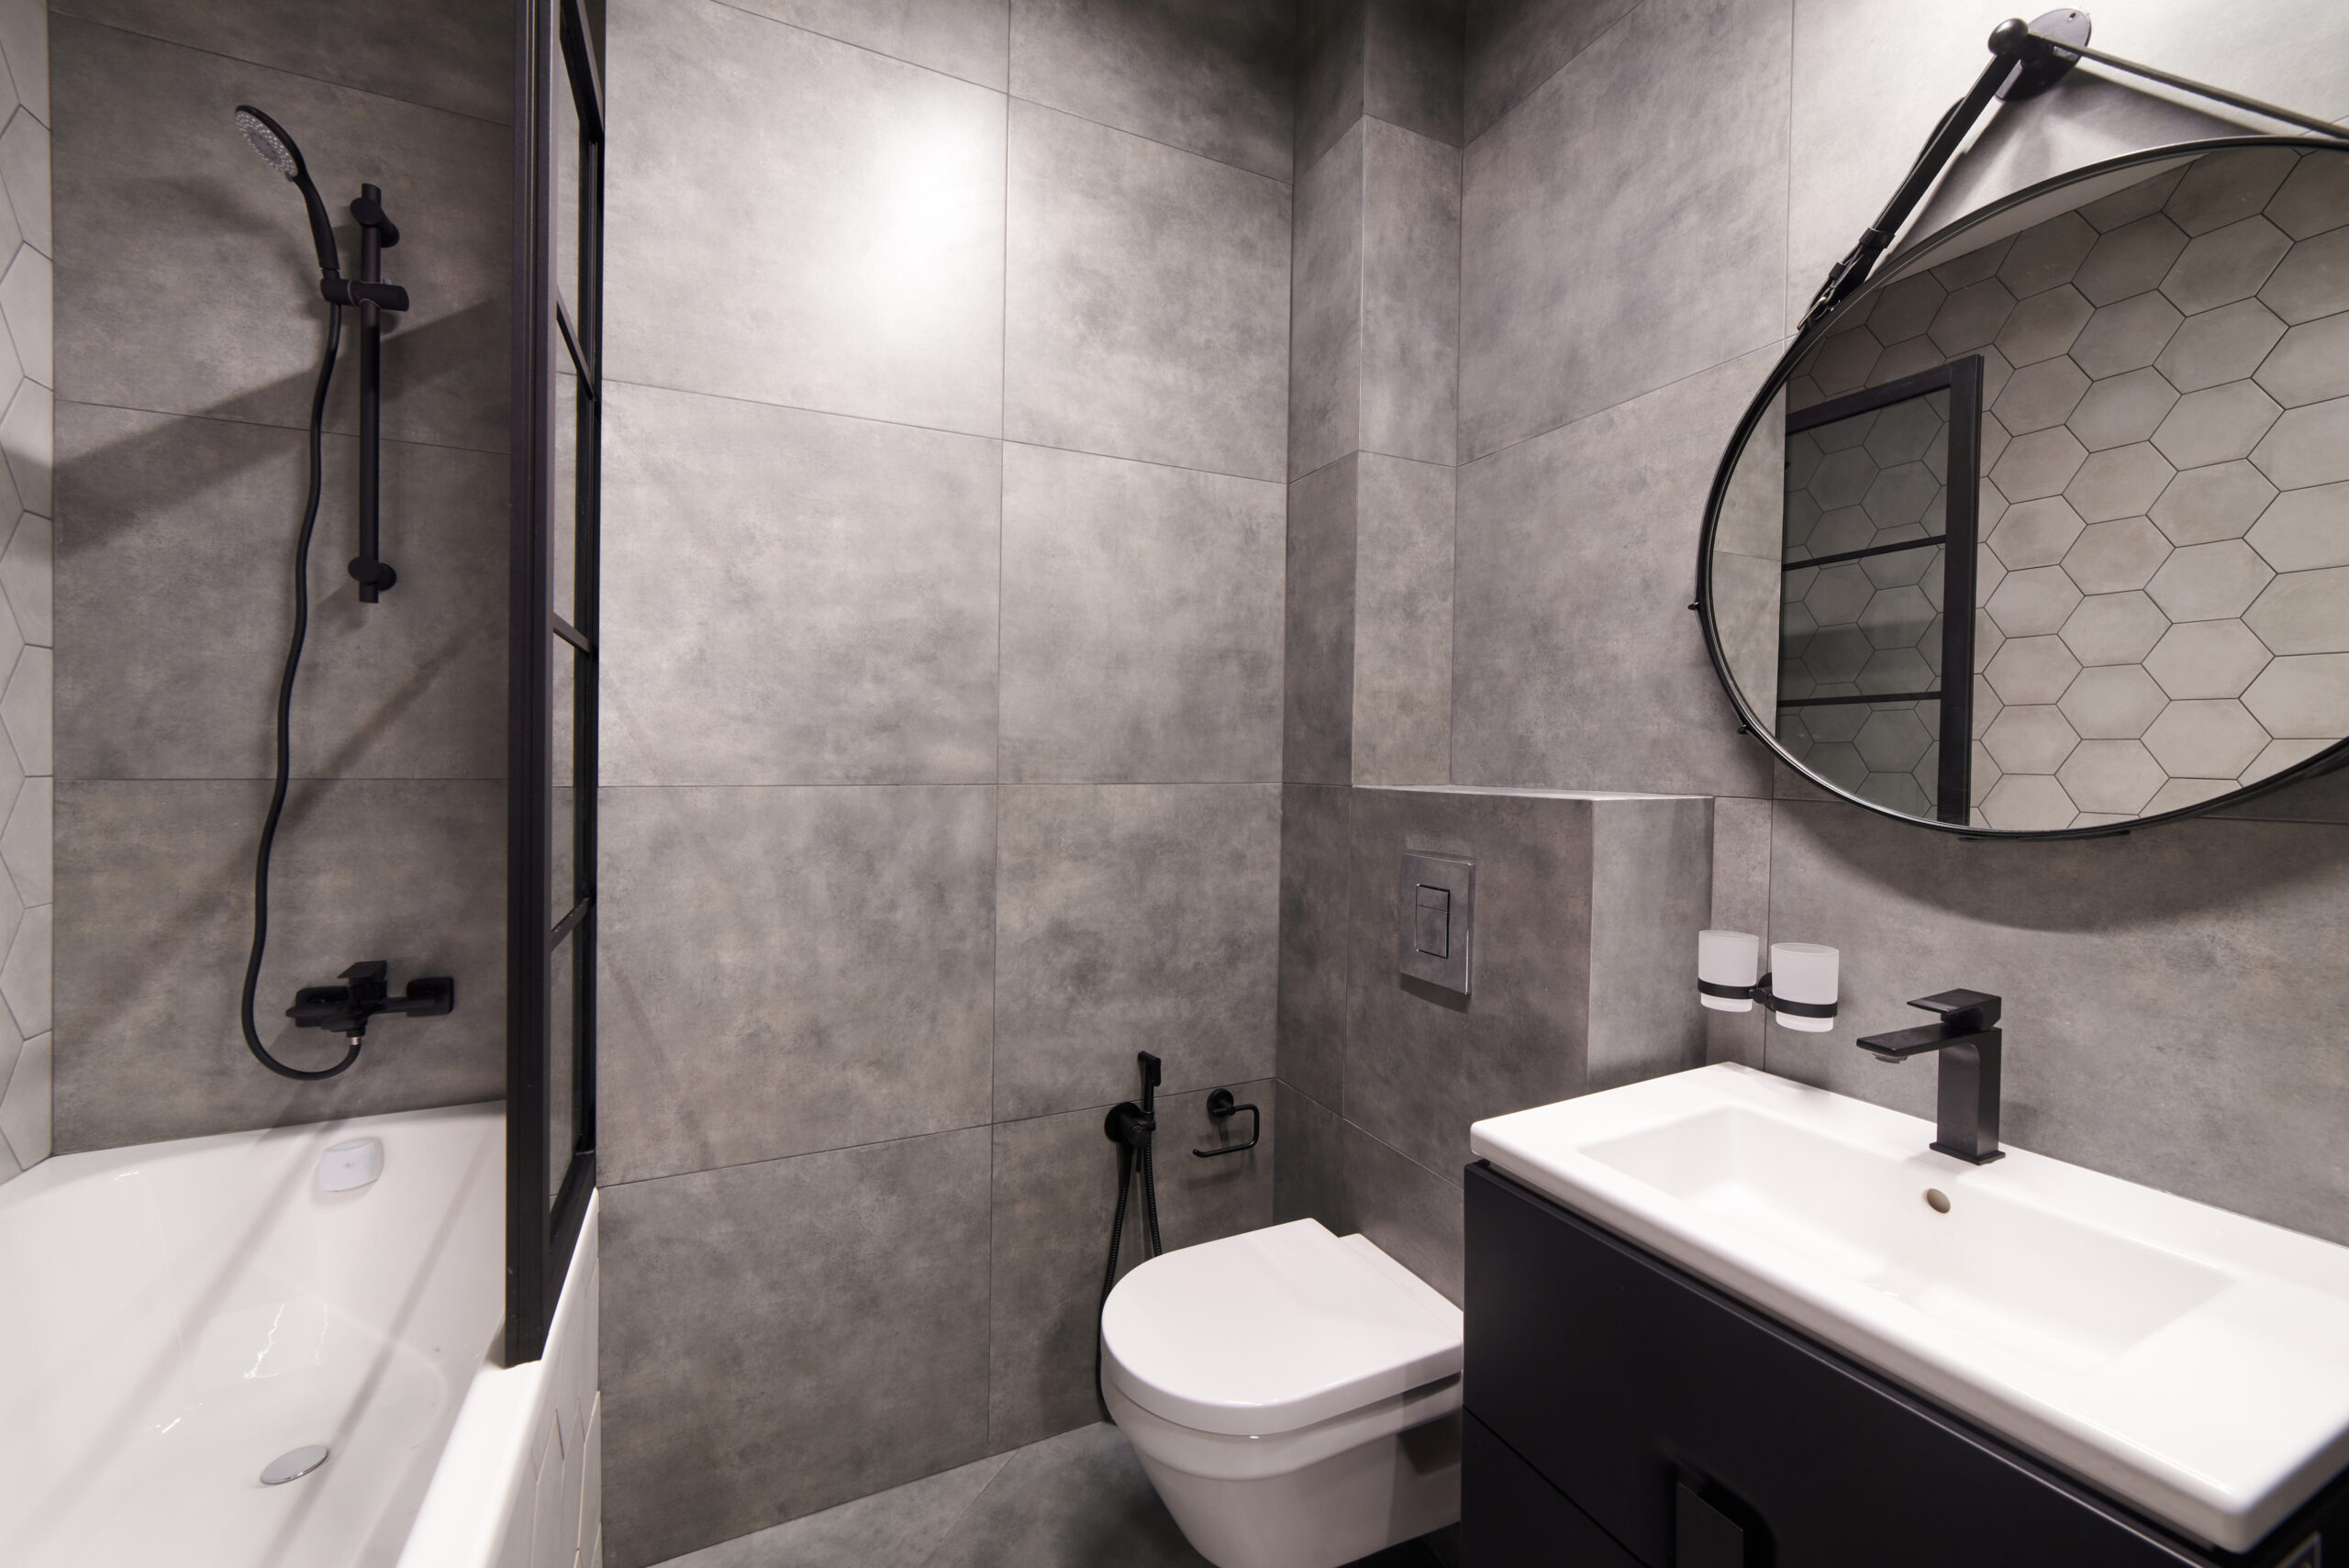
x=285, y=715
x=1132, y=1158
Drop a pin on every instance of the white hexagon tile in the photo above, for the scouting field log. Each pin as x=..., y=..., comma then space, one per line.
x=2163, y=589
x=27, y=789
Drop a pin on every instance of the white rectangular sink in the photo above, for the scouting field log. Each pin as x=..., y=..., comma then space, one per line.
x=2190, y=1361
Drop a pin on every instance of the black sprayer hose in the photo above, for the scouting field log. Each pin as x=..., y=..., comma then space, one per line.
x=1133, y=1160
x=286, y=714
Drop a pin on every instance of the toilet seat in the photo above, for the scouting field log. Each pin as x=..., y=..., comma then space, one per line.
x=1279, y=1330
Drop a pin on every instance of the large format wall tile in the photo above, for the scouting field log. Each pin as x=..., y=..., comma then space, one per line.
x=1514, y=45
x=1577, y=663
x=1317, y=651
x=794, y=598
x=789, y=970
x=1412, y=1213
x=1397, y=60
x=836, y=247
x=1311, y=1052
x=174, y=550
x=1625, y=227
x=1209, y=76
x=187, y=282
x=1402, y=623
x=785, y=1336
x=1142, y=621
x=1148, y=300
x=1055, y=1193
x=1410, y=293
x=1133, y=917
x=1309, y=1183
x=155, y=912
x=2171, y=997
x=1326, y=308
x=962, y=37
x=448, y=54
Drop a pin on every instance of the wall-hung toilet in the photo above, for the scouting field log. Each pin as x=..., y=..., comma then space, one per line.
x=1293, y=1396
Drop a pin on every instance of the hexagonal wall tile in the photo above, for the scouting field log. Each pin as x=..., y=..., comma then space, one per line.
x=2219, y=502
x=1904, y=358
x=2313, y=198
x=1901, y=569
x=2300, y=528
x=1897, y=618
x=2046, y=254
x=2217, y=424
x=2130, y=260
x=1971, y=318
x=2219, y=188
x=1842, y=362
x=25, y=293
x=2304, y=612
x=2309, y=445
x=2127, y=205
x=25, y=575
x=2205, y=739
x=24, y=977
x=2209, y=581
x=2109, y=558
x=1839, y=593
x=2035, y=533
x=1893, y=741
x=2123, y=409
x=2313, y=280
x=2044, y=325
x=1901, y=495
x=2042, y=395
x=2221, y=345
x=25, y=1103
x=1845, y=528
x=2302, y=695
x=2283, y=754
x=2120, y=481
x=1904, y=309
x=2031, y=739
x=1843, y=477
x=2125, y=335
x=26, y=441
x=2309, y=364
x=2041, y=464
x=1896, y=670
x=2114, y=628
x=2112, y=702
x=1974, y=265
x=2028, y=670
x=2032, y=602
x=25, y=709
x=1836, y=654
x=2117, y=776
x=2225, y=265
x=1902, y=432
x=24, y=841
x=1839, y=764
x=2179, y=794
x=2028, y=803
x=2207, y=659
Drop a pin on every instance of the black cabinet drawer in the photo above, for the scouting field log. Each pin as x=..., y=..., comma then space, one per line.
x=1510, y=1518
x=1617, y=1377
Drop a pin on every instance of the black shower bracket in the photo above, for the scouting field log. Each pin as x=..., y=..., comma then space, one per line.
x=345, y=1009
x=2026, y=59
x=372, y=296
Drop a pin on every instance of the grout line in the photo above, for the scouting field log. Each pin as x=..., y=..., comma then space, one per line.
x=881, y=784
x=1527, y=97
x=1776, y=341
x=506, y=124
x=302, y=429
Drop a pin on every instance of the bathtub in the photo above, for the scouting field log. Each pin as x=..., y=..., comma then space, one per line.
x=176, y=1316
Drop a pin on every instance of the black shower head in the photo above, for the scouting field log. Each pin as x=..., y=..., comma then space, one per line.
x=279, y=152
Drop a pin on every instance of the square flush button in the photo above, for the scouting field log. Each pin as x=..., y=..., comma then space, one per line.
x=1438, y=897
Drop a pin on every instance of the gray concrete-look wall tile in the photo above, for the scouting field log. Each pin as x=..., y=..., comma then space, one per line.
x=1410, y=293
x=24, y=34
x=445, y=54
x=2218, y=1084
x=1333, y=50
x=1142, y=621
x=1741, y=903
x=1326, y=306
x=1309, y=1054
x=1317, y=656
x=1514, y=45
x=905, y=1524
x=174, y=600
x=848, y=1289
x=1209, y=76
x=1576, y=661
x=1651, y=873
x=1422, y=1064
x=794, y=598
x=1413, y=1213
x=858, y=219
x=154, y=920
x=1402, y=622
x=1309, y=1183
x=1148, y=301
x=1412, y=77
x=969, y=39
x=790, y=970
x=1055, y=1187
x=1133, y=917
x=1655, y=250
x=170, y=231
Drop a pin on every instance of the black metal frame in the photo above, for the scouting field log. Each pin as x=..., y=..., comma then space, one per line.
x=555, y=52
x=1962, y=379
x=1950, y=240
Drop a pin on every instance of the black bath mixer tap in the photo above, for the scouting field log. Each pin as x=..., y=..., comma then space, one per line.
x=345, y=1009
x=1971, y=1046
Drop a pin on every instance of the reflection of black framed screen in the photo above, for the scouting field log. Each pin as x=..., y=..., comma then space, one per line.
x=556, y=533
x=1887, y=555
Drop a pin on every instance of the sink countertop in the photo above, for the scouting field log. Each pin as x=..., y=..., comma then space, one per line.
x=2190, y=1361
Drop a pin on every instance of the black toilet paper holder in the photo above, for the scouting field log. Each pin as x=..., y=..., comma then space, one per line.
x=1219, y=1105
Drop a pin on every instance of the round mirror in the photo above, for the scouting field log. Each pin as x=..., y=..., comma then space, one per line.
x=2046, y=530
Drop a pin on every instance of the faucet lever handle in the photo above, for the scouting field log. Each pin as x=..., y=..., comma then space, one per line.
x=1962, y=1010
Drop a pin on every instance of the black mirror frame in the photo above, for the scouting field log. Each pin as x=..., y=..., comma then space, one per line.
x=1749, y=723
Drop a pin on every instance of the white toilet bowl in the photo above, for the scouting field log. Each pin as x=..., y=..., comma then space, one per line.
x=1293, y=1396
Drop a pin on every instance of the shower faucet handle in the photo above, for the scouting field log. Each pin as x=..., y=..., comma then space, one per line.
x=346, y=1008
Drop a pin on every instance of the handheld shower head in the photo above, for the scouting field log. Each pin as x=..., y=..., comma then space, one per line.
x=279, y=152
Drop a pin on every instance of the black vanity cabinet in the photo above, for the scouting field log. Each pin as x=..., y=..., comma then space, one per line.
x=1624, y=1415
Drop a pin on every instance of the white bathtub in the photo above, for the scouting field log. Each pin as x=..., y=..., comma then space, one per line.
x=173, y=1317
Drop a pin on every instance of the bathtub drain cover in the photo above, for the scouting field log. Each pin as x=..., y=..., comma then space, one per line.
x=294, y=1464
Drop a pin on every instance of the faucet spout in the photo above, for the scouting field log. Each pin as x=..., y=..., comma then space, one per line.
x=1972, y=1051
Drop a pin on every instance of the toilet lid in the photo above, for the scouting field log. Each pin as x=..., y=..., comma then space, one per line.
x=1275, y=1330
